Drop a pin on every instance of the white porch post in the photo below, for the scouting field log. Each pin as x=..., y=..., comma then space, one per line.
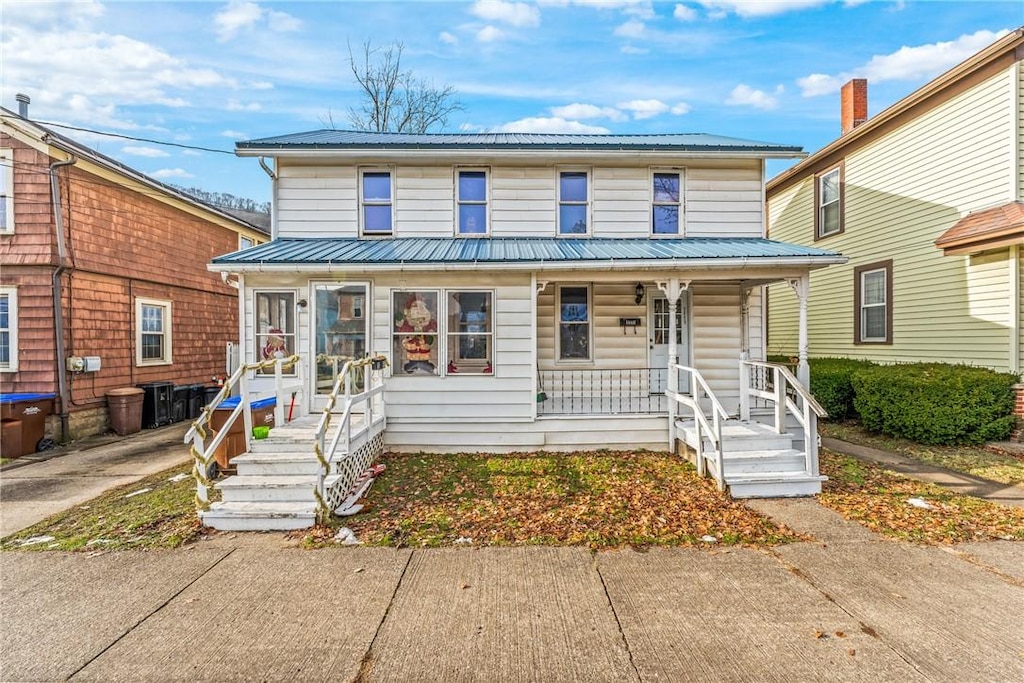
x=802, y=287
x=538, y=287
x=672, y=288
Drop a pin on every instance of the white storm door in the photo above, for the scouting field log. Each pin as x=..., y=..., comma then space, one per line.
x=340, y=326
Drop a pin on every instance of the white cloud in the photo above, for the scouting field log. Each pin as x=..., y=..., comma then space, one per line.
x=235, y=105
x=745, y=96
x=637, y=8
x=489, y=34
x=152, y=152
x=908, y=63
x=684, y=13
x=634, y=28
x=759, y=8
x=448, y=38
x=633, y=50
x=241, y=14
x=644, y=109
x=191, y=153
x=517, y=14
x=171, y=173
x=237, y=135
x=260, y=85
x=588, y=111
x=540, y=124
x=681, y=108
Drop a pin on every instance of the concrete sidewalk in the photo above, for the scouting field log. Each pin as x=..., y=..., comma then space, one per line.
x=43, y=484
x=847, y=607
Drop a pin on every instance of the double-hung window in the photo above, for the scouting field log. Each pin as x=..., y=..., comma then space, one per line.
x=828, y=195
x=574, y=323
x=152, y=332
x=8, y=329
x=573, y=202
x=873, y=303
x=275, y=326
x=442, y=332
x=471, y=201
x=665, y=204
x=470, y=332
x=376, y=201
x=6, y=191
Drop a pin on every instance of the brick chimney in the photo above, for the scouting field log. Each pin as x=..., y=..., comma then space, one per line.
x=854, y=103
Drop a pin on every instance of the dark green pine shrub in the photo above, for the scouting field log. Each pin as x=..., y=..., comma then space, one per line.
x=935, y=403
x=832, y=385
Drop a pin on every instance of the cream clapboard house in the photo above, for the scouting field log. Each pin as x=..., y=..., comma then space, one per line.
x=530, y=292
x=925, y=198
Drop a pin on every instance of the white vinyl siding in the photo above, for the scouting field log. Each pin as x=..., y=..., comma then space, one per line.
x=317, y=201
x=522, y=202
x=903, y=191
x=424, y=206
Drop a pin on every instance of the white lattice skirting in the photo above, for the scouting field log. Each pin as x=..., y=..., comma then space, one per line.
x=351, y=466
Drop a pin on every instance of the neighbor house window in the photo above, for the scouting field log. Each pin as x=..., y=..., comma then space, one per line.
x=471, y=200
x=665, y=204
x=470, y=333
x=152, y=332
x=6, y=191
x=274, y=326
x=245, y=242
x=828, y=195
x=573, y=323
x=376, y=202
x=414, y=332
x=573, y=202
x=873, y=303
x=8, y=329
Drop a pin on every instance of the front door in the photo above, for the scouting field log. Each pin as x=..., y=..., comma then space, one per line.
x=340, y=323
x=658, y=326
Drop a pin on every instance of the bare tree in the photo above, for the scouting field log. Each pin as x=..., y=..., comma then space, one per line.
x=395, y=101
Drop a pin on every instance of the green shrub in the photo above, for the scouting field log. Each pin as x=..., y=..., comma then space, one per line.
x=832, y=385
x=935, y=403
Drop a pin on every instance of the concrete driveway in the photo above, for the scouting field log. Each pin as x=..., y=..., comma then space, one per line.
x=848, y=607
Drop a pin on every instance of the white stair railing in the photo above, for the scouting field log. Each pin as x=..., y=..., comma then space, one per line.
x=772, y=382
x=346, y=440
x=710, y=428
x=203, y=453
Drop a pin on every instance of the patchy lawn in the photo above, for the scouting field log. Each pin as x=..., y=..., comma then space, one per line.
x=871, y=495
x=162, y=517
x=981, y=461
x=599, y=499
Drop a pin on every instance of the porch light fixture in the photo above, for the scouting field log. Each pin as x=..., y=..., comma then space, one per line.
x=640, y=291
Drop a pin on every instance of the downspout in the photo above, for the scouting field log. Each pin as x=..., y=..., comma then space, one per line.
x=57, y=293
x=273, y=197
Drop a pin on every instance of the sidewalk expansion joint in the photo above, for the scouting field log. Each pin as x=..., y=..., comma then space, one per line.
x=866, y=629
x=618, y=623
x=159, y=607
x=971, y=559
x=366, y=664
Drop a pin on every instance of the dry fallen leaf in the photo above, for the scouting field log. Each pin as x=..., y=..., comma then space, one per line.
x=818, y=634
x=840, y=634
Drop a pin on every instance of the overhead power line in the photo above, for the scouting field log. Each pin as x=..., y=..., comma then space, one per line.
x=136, y=139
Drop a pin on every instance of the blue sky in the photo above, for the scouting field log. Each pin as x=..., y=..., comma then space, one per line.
x=207, y=74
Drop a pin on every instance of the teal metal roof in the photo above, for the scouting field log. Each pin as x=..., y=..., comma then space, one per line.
x=516, y=250
x=354, y=140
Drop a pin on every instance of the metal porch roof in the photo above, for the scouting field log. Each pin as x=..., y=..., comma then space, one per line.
x=518, y=250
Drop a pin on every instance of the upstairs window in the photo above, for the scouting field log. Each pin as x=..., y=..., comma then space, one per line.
x=471, y=189
x=573, y=202
x=829, y=202
x=665, y=204
x=873, y=303
x=6, y=191
x=376, y=202
x=152, y=332
x=245, y=242
x=8, y=329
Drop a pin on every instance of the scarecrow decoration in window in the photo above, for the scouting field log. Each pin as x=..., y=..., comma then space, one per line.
x=415, y=332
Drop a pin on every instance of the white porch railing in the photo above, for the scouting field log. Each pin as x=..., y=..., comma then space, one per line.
x=344, y=454
x=706, y=427
x=203, y=452
x=780, y=389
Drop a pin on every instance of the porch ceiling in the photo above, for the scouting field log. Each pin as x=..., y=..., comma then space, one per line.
x=521, y=253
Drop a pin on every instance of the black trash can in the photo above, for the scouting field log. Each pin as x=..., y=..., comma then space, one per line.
x=157, y=404
x=179, y=403
x=196, y=396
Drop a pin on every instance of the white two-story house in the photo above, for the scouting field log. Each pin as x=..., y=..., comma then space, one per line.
x=529, y=291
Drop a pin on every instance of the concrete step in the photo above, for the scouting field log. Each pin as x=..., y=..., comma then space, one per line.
x=238, y=516
x=266, y=489
x=739, y=436
x=776, y=485
x=259, y=463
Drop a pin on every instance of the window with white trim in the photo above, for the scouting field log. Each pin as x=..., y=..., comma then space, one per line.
x=376, y=202
x=829, y=199
x=665, y=203
x=6, y=191
x=152, y=332
x=471, y=201
x=8, y=329
x=574, y=323
x=470, y=332
x=275, y=326
x=573, y=202
x=245, y=242
x=423, y=343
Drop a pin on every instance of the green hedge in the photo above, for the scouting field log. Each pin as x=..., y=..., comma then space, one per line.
x=935, y=403
x=832, y=385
